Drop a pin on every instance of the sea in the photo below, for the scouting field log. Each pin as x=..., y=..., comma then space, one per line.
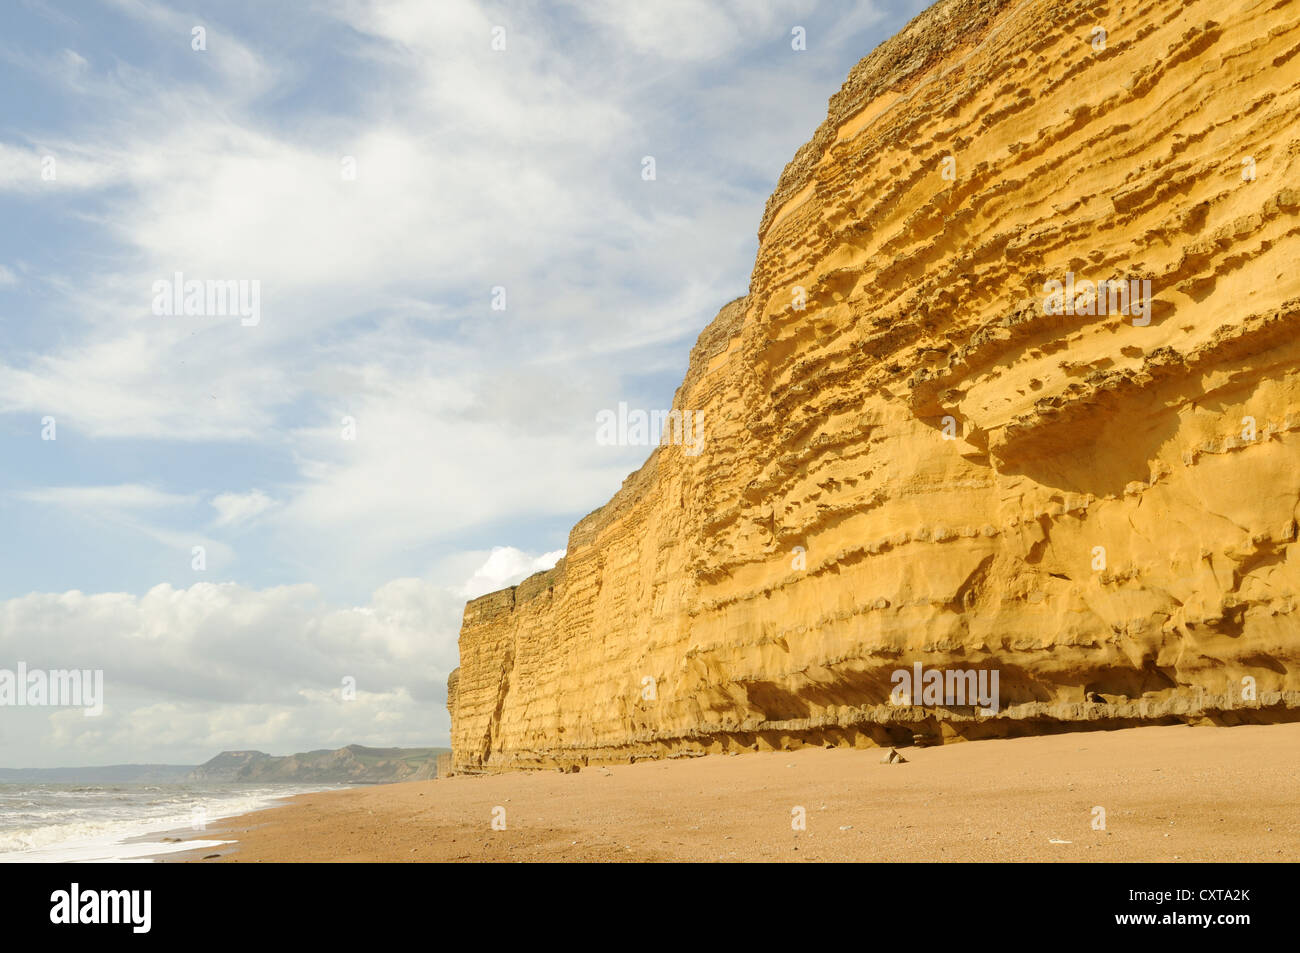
x=126, y=821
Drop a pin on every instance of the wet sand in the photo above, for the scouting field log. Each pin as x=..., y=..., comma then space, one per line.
x=1169, y=794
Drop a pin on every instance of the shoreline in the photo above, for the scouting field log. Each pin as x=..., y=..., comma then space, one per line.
x=1165, y=793
x=141, y=833
x=216, y=839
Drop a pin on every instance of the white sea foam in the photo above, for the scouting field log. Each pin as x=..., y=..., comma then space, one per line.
x=85, y=823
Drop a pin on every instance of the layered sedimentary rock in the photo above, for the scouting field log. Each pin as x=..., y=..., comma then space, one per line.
x=912, y=455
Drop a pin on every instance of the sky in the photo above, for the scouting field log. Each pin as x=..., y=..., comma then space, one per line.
x=443, y=213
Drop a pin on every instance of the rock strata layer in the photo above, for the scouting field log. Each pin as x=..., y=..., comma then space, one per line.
x=911, y=455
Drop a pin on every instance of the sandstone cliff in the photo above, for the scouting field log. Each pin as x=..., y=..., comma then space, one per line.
x=921, y=464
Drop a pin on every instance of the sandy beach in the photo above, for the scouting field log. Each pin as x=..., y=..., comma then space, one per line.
x=1169, y=794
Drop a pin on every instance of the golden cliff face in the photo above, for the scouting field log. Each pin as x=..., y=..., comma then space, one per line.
x=941, y=458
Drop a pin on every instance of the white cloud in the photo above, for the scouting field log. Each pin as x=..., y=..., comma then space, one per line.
x=7, y=277
x=141, y=381
x=188, y=672
x=682, y=29
x=507, y=566
x=74, y=167
x=437, y=455
x=121, y=496
x=710, y=30
x=237, y=508
x=234, y=61
x=191, y=732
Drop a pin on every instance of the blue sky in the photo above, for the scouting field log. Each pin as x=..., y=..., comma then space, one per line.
x=475, y=446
